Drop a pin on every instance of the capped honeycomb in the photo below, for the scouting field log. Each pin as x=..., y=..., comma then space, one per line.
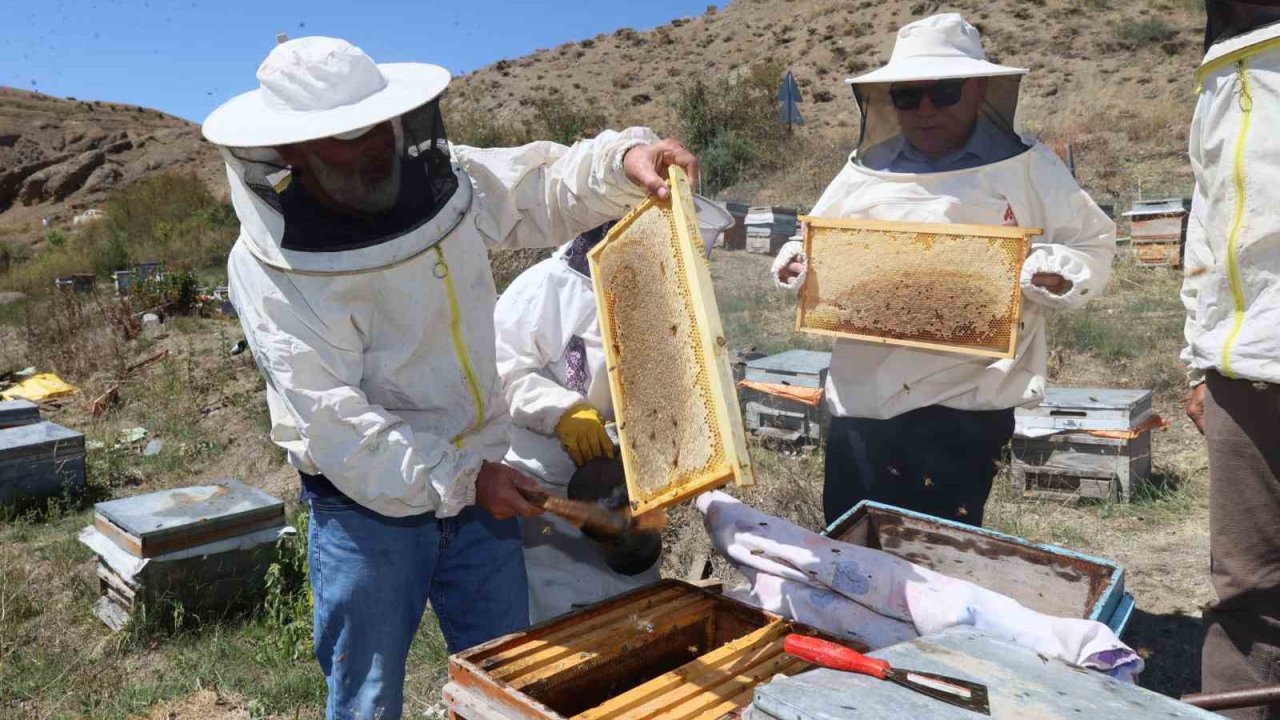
x=679, y=424
x=940, y=287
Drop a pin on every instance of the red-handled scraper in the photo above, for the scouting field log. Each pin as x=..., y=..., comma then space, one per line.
x=970, y=696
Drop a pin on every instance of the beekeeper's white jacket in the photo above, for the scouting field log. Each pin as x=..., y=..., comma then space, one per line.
x=380, y=362
x=1232, y=286
x=535, y=318
x=1033, y=189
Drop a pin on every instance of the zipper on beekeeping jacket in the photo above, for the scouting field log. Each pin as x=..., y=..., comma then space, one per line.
x=1237, y=219
x=1233, y=58
x=460, y=344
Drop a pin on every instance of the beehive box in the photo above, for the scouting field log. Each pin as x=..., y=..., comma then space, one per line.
x=1157, y=253
x=1045, y=578
x=953, y=288
x=18, y=412
x=782, y=418
x=668, y=650
x=171, y=520
x=735, y=238
x=1158, y=232
x=1055, y=456
x=205, y=547
x=679, y=425
x=40, y=461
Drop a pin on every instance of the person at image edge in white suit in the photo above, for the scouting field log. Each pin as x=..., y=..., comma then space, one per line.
x=363, y=286
x=923, y=429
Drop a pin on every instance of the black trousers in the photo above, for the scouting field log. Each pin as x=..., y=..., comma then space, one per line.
x=933, y=460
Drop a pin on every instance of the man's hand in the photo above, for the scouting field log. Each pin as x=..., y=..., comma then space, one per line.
x=1052, y=282
x=496, y=491
x=646, y=165
x=1194, y=405
x=792, y=269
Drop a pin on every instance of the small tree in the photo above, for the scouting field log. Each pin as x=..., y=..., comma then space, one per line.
x=732, y=124
x=565, y=122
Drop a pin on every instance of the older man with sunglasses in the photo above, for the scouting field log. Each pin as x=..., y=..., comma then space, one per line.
x=923, y=429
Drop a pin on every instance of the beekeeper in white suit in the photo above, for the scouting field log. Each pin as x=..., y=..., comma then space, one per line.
x=1232, y=297
x=552, y=366
x=363, y=287
x=917, y=428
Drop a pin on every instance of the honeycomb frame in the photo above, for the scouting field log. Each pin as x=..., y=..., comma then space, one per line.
x=822, y=314
x=634, y=317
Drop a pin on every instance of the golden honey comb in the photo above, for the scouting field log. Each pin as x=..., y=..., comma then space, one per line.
x=679, y=425
x=935, y=286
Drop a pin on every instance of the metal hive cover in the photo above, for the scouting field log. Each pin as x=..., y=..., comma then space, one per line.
x=190, y=511
x=39, y=439
x=679, y=424
x=934, y=286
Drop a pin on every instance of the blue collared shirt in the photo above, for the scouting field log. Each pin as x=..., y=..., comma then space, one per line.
x=986, y=145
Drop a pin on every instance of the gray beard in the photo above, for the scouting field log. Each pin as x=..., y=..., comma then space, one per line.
x=348, y=189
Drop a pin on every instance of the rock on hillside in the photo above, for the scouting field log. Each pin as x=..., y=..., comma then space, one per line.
x=59, y=156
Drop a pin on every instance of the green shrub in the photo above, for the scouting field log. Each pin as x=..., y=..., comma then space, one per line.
x=482, y=129
x=288, y=606
x=175, y=291
x=1146, y=31
x=55, y=238
x=555, y=117
x=566, y=122
x=11, y=254
x=169, y=218
x=731, y=124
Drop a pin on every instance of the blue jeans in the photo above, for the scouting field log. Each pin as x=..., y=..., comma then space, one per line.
x=371, y=577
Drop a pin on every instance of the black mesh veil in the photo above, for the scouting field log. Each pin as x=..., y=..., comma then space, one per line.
x=880, y=128
x=426, y=178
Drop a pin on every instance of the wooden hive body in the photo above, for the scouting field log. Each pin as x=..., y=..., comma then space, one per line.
x=934, y=286
x=668, y=650
x=679, y=424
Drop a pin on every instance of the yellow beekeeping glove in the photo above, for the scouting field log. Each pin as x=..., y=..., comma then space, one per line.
x=581, y=431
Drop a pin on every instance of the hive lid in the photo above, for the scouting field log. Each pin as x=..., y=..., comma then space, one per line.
x=1156, y=207
x=39, y=438
x=796, y=361
x=1095, y=398
x=18, y=412
x=1021, y=682
x=954, y=288
x=679, y=423
x=170, y=520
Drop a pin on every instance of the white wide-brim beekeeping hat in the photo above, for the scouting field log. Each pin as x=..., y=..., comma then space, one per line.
x=940, y=47
x=317, y=87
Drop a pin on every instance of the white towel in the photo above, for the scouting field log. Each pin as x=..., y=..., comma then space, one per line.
x=878, y=599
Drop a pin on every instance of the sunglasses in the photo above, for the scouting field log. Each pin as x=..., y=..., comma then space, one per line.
x=943, y=93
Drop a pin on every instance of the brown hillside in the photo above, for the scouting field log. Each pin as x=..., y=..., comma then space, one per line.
x=59, y=156
x=1113, y=78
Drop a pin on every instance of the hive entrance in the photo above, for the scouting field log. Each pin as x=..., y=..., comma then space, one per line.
x=678, y=419
x=936, y=286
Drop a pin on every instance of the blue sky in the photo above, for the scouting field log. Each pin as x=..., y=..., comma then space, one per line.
x=186, y=57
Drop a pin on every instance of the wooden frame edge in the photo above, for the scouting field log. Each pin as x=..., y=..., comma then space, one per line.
x=1024, y=236
x=1009, y=231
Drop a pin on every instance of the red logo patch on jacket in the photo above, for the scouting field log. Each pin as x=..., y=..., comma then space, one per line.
x=1009, y=218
